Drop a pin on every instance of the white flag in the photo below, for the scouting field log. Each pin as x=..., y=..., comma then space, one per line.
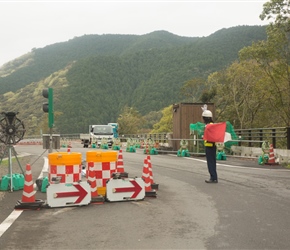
x=228, y=137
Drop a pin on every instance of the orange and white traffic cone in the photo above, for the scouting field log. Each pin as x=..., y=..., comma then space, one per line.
x=28, y=200
x=153, y=184
x=147, y=149
x=120, y=165
x=28, y=190
x=271, y=160
x=145, y=173
x=95, y=197
x=149, y=192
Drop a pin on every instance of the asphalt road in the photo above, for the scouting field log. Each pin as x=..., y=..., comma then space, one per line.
x=247, y=209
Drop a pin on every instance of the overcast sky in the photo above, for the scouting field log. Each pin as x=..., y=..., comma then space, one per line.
x=35, y=24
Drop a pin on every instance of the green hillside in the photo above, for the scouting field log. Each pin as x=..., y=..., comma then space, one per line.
x=95, y=76
x=42, y=62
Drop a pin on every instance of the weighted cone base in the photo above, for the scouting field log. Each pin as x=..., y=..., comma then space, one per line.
x=124, y=175
x=98, y=199
x=29, y=205
x=151, y=193
x=154, y=186
x=118, y=175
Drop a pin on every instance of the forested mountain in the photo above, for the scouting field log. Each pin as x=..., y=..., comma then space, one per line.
x=41, y=63
x=95, y=76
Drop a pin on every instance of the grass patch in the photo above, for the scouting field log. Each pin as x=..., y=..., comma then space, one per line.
x=5, y=162
x=4, y=166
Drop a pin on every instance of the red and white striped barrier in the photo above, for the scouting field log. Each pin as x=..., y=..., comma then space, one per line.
x=68, y=173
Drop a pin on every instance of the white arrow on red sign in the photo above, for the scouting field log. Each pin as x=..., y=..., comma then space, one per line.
x=136, y=189
x=81, y=193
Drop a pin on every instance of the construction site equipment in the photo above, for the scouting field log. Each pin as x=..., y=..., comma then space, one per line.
x=12, y=131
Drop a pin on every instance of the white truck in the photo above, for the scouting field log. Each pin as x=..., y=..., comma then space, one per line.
x=96, y=134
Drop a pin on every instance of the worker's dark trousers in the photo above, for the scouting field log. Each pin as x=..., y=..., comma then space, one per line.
x=210, y=153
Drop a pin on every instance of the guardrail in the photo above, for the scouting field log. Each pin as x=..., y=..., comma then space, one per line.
x=279, y=137
x=254, y=137
x=161, y=137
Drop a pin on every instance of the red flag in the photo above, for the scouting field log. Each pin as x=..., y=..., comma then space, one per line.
x=215, y=132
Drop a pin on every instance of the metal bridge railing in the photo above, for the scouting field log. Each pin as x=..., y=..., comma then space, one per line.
x=278, y=136
x=161, y=137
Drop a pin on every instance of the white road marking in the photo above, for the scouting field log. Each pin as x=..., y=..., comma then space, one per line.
x=9, y=220
x=242, y=167
x=16, y=213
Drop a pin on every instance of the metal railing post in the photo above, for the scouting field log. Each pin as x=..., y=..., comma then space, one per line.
x=274, y=138
x=261, y=137
x=288, y=137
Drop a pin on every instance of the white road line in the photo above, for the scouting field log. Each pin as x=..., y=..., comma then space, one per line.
x=242, y=167
x=44, y=169
x=9, y=220
x=16, y=213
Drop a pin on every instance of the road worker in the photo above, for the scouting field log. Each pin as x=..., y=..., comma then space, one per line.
x=210, y=149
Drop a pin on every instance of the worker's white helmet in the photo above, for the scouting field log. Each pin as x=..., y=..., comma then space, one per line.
x=206, y=113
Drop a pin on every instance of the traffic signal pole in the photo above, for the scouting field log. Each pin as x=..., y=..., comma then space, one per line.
x=48, y=108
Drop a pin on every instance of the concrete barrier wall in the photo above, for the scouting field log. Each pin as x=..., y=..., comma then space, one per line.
x=281, y=155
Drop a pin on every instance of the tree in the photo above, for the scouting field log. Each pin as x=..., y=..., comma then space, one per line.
x=239, y=94
x=166, y=122
x=277, y=10
x=150, y=119
x=273, y=57
x=192, y=89
x=129, y=121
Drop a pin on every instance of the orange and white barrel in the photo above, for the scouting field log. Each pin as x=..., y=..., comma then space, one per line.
x=66, y=165
x=104, y=166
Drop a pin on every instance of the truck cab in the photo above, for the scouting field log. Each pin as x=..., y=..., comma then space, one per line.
x=98, y=132
x=115, y=128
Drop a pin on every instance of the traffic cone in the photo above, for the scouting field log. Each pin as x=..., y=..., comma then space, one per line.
x=28, y=189
x=145, y=173
x=153, y=184
x=271, y=160
x=95, y=197
x=28, y=197
x=147, y=149
x=68, y=150
x=149, y=192
x=120, y=165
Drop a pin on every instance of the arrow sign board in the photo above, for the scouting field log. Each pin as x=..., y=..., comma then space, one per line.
x=68, y=194
x=125, y=189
